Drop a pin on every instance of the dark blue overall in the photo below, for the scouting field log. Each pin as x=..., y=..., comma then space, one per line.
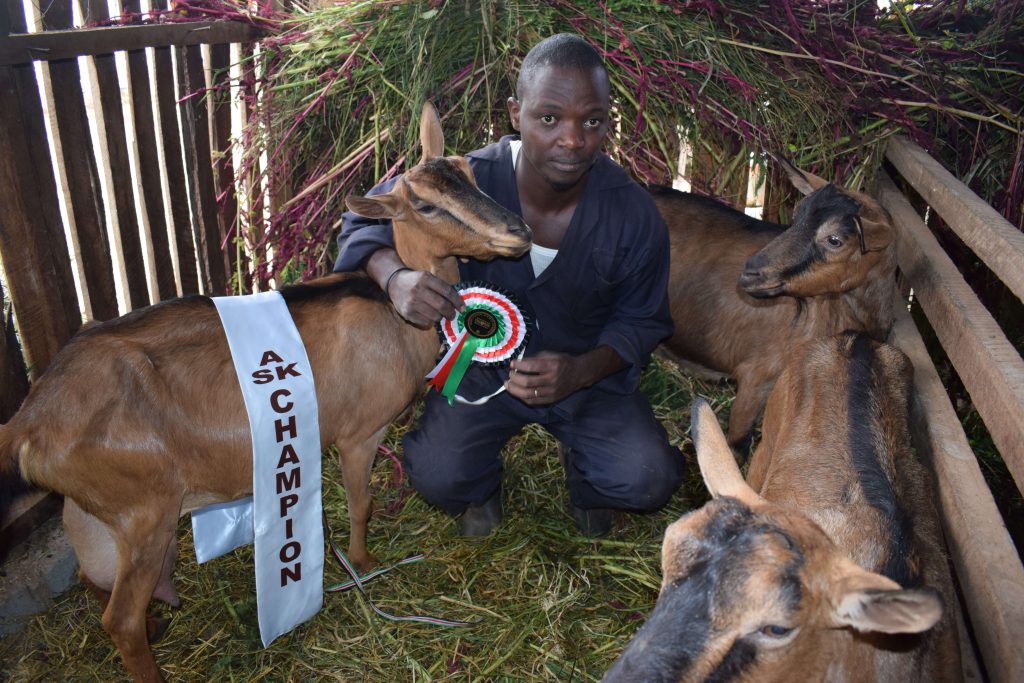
x=606, y=286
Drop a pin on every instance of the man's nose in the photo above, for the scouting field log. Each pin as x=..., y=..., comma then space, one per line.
x=572, y=137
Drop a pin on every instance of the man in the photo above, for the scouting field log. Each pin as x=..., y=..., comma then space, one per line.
x=595, y=282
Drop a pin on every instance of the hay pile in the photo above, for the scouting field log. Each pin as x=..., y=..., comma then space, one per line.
x=335, y=92
x=552, y=605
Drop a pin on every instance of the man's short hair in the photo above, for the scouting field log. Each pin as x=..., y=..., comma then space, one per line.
x=563, y=50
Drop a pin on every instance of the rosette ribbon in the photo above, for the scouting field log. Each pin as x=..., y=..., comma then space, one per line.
x=490, y=329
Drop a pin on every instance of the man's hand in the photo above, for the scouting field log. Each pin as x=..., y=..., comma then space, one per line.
x=422, y=298
x=550, y=376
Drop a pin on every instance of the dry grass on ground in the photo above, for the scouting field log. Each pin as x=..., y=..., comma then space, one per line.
x=551, y=605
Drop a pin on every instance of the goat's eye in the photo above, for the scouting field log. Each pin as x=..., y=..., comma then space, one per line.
x=775, y=631
x=426, y=208
x=834, y=241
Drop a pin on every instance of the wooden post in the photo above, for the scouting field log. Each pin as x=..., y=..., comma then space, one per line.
x=224, y=168
x=149, y=166
x=199, y=168
x=115, y=150
x=32, y=244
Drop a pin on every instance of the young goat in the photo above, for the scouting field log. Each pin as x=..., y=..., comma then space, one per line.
x=802, y=580
x=141, y=419
x=744, y=291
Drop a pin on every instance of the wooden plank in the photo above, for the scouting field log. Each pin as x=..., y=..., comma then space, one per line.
x=13, y=375
x=993, y=238
x=122, y=198
x=224, y=168
x=26, y=513
x=65, y=44
x=989, y=366
x=32, y=243
x=82, y=175
x=170, y=139
x=149, y=166
x=987, y=565
x=199, y=168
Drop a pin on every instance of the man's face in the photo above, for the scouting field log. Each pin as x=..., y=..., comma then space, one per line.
x=562, y=117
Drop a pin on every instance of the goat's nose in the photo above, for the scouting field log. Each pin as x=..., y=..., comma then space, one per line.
x=521, y=230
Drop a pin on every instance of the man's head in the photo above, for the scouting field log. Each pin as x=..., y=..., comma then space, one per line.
x=561, y=109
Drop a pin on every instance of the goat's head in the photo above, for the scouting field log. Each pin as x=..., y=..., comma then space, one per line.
x=755, y=591
x=438, y=211
x=836, y=241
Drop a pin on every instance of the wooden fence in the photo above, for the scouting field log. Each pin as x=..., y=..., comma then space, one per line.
x=61, y=263
x=988, y=567
x=169, y=233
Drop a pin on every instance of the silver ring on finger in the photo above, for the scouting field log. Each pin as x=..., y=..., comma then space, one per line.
x=535, y=393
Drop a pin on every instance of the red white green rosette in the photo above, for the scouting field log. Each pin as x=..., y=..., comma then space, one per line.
x=491, y=329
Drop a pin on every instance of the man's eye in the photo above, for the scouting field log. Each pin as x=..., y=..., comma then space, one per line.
x=547, y=118
x=593, y=123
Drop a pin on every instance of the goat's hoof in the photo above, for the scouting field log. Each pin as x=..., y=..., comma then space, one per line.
x=156, y=627
x=364, y=563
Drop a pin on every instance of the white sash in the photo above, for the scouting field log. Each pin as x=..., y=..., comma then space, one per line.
x=286, y=518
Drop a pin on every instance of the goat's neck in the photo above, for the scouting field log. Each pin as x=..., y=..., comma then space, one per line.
x=416, y=252
x=871, y=305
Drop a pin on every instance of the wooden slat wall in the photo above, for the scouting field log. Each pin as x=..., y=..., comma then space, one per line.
x=37, y=250
x=988, y=365
x=987, y=563
x=126, y=224
x=149, y=166
x=32, y=243
x=998, y=243
x=82, y=173
x=987, y=566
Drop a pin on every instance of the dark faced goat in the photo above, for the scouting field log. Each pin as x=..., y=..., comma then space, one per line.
x=744, y=291
x=827, y=564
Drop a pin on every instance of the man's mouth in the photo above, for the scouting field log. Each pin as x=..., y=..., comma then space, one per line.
x=567, y=165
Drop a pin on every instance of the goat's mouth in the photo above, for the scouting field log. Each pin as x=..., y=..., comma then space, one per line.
x=760, y=287
x=509, y=247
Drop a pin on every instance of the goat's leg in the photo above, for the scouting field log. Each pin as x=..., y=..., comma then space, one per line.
x=751, y=395
x=142, y=547
x=96, y=550
x=356, y=463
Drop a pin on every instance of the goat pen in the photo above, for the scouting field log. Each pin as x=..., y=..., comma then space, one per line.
x=61, y=266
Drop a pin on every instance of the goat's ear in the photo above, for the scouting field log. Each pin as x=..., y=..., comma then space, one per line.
x=870, y=602
x=717, y=464
x=876, y=223
x=373, y=206
x=804, y=181
x=431, y=135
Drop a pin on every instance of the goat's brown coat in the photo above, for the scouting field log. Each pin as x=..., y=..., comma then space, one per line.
x=807, y=553
x=141, y=419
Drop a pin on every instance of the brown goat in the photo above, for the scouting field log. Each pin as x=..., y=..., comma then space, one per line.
x=744, y=291
x=762, y=586
x=141, y=420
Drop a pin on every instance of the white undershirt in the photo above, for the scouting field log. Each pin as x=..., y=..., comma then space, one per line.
x=541, y=257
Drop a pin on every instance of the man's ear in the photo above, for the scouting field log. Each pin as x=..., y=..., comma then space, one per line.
x=514, y=109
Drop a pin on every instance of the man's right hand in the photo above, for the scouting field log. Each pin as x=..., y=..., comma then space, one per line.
x=423, y=298
x=420, y=297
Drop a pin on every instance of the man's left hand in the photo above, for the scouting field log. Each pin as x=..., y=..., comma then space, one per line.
x=550, y=376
